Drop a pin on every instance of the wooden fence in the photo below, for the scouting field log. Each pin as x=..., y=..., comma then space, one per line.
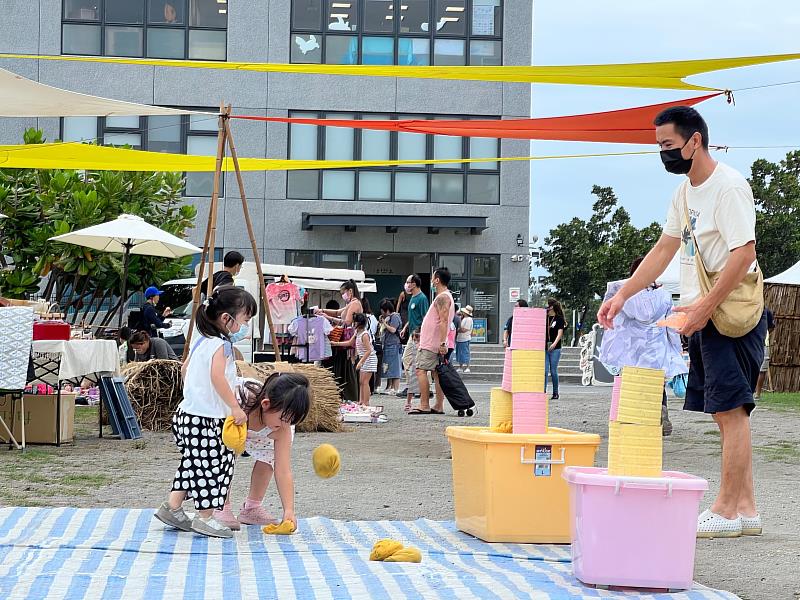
x=784, y=302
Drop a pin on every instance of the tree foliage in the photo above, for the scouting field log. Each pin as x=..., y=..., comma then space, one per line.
x=582, y=256
x=776, y=188
x=41, y=204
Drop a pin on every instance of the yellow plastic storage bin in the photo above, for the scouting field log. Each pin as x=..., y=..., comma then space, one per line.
x=508, y=487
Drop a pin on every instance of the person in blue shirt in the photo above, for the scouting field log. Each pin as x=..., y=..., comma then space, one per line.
x=151, y=320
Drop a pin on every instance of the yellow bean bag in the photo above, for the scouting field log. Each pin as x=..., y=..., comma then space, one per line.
x=233, y=435
x=326, y=461
x=409, y=554
x=384, y=549
x=285, y=528
x=504, y=427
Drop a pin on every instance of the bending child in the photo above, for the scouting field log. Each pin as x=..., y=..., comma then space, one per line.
x=272, y=409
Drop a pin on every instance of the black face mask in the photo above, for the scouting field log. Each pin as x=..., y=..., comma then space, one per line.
x=674, y=162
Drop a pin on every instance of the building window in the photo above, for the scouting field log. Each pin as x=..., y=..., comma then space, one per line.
x=176, y=134
x=178, y=29
x=387, y=32
x=476, y=281
x=327, y=259
x=477, y=183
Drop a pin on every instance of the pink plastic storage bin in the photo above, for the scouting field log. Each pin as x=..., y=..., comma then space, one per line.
x=612, y=415
x=633, y=531
x=506, y=384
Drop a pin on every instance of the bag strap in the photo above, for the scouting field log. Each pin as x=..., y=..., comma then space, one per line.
x=700, y=267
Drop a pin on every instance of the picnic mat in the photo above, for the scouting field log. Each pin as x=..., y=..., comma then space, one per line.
x=68, y=553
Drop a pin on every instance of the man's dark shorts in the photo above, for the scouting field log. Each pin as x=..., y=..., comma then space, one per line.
x=723, y=371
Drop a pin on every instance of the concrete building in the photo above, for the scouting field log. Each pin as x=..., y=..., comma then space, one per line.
x=389, y=222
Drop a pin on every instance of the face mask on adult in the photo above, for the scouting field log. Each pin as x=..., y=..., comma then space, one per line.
x=407, y=288
x=346, y=296
x=674, y=162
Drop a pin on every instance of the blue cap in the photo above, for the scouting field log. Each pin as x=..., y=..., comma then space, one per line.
x=152, y=291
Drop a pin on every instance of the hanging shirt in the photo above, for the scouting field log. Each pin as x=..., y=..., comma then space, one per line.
x=312, y=331
x=283, y=302
x=636, y=340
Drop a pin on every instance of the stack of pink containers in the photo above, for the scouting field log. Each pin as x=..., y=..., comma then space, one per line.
x=506, y=385
x=526, y=358
x=612, y=414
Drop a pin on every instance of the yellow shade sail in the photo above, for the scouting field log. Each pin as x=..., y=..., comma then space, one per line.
x=664, y=75
x=73, y=155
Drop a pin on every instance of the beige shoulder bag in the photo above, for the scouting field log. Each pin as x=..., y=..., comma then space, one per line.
x=741, y=311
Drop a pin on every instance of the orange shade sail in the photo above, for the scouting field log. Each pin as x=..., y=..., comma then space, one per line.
x=627, y=126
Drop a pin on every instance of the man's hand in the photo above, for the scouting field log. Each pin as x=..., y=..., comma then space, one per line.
x=443, y=349
x=697, y=316
x=610, y=309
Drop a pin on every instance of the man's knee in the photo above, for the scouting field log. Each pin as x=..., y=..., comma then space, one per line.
x=734, y=415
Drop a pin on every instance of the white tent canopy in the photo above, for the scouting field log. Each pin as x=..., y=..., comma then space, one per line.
x=671, y=278
x=790, y=276
x=21, y=97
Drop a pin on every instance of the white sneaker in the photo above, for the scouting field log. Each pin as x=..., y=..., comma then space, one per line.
x=467, y=370
x=211, y=527
x=711, y=525
x=751, y=525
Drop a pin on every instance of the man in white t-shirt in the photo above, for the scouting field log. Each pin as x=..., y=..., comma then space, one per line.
x=723, y=370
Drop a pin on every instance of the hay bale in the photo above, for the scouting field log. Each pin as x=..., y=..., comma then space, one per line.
x=155, y=389
x=325, y=401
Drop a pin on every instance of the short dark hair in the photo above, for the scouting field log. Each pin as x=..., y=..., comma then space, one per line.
x=522, y=303
x=635, y=264
x=332, y=305
x=387, y=305
x=443, y=275
x=687, y=122
x=232, y=259
x=415, y=279
x=225, y=299
x=139, y=337
x=360, y=320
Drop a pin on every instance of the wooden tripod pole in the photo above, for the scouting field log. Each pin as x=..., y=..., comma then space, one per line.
x=248, y=222
x=211, y=227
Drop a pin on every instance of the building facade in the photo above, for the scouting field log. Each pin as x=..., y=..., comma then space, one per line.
x=387, y=221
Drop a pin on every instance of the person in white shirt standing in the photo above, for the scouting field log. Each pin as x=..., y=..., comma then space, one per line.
x=723, y=370
x=463, y=339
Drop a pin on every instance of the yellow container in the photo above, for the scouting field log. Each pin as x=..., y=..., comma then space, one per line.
x=640, y=395
x=508, y=487
x=501, y=407
x=527, y=370
x=635, y=450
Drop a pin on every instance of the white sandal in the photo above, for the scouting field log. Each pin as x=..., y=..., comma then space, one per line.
x=711, y=525
x=751, y=525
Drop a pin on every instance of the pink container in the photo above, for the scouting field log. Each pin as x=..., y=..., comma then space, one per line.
x=612, y=415
x=633, y=531
x=530, y=413
x=506, y=384
x=530, y=329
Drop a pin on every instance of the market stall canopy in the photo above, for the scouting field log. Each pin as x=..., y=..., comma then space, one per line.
x=671, y=278
x=664, y=75
x=21, y=97
x=790, y=276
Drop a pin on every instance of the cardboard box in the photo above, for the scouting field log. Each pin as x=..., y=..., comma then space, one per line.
x=40, y=418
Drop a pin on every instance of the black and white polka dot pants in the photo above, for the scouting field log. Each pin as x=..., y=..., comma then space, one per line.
x=206, y=468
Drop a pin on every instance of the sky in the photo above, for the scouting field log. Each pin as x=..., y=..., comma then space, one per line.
x=621, y=31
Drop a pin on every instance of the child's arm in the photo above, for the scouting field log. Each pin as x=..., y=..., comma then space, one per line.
x=345, y=344
x=223, y=388
x=283, y=472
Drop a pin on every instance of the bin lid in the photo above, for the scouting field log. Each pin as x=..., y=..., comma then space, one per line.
x=669, y=479
x=554, y=435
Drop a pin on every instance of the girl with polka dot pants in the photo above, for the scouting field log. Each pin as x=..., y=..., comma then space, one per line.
x=273, y=409
x=209, y=376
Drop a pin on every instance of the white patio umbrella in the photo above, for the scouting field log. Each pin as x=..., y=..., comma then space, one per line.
x=126, y=235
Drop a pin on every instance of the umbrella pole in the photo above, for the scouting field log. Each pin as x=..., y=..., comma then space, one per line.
x=210, y=239
x=248, y=222
x=125, y=258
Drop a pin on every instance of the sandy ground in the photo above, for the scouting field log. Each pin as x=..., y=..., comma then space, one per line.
x=401, y=470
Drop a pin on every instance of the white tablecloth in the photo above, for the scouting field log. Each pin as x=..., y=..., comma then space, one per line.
x=78, y=358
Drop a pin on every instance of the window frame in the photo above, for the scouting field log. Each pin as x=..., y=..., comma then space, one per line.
x=102, y=23
x=143, y=129
x=431, y=35
x=429, y=170
x=352, y=257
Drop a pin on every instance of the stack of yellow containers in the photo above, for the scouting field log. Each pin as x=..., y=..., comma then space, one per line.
x=501, y=410
x=634, y=438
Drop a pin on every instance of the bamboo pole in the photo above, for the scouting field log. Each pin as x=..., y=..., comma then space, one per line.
x=250, y=232
x=210, y=240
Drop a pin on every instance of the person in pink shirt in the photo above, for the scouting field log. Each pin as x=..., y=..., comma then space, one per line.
x=433, y=342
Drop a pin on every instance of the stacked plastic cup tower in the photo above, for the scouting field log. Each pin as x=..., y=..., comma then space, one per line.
x=523, y=374
x=635, y=446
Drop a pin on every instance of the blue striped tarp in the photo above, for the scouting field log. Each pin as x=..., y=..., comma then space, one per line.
x=68, y=553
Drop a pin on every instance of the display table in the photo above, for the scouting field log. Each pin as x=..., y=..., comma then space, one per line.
x=58, y=361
